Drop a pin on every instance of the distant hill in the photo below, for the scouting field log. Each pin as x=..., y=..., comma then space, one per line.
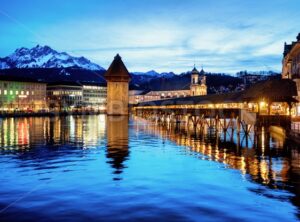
x=183, y=81
x=57, y=74
x=154, y=74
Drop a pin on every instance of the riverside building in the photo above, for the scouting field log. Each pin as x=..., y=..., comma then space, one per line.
x=64, y=96
x=22, y=94
x=94, y=96
x=197, y=87
x=70, y=96
x=291, y=66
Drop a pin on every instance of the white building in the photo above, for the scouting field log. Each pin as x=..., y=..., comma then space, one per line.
x=197, y=88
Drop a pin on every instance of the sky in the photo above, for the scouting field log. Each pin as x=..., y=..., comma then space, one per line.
x=163, y=35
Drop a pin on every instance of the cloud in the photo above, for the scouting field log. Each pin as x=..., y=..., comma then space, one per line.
x=163, y=35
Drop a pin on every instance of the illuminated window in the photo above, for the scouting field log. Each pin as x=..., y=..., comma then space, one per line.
x=22, y=92
x=17, y=92
x=32, y=93
x=27, y=93
x=5, y=92
x=11, y=92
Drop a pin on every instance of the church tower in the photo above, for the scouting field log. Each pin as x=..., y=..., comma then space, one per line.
x=198, y=83
x=195, y=76
x=117, y=77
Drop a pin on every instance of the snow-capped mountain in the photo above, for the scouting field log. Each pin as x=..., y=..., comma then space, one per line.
x=153, y=73
x=44, y=57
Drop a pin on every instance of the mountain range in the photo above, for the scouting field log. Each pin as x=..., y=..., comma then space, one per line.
x=46, y=64
x=45, y=57
x=153, y=73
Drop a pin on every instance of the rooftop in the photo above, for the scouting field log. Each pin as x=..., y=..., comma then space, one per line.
x=18, y=79
x=275, y=89
x=202, y=72
x=195, y=71
x=117, y=70
x=65, y=83
x=289, y=47
x=75, y=83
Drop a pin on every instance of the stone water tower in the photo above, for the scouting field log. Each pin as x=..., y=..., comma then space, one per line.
x=117, y=77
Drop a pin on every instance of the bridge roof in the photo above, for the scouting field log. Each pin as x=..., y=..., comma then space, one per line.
x=272, y=90
x=275, y=90
x=207, y=99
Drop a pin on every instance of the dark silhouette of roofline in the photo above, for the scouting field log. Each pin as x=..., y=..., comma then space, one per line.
x=19, y=79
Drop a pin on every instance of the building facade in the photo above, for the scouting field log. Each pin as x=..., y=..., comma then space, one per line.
x=291, y=60
x=68, y=96
x=197, y=88
x=291, y=66
x=94, y=96
x=18, y=94
x=250, y=78
x=158, y=95
x=64, y=96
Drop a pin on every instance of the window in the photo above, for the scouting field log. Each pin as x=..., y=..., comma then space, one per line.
x=11, y=92
x=17, y=92
x=5, y=92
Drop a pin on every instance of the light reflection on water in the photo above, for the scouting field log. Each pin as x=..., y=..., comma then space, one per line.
x=260, y=161
x=132, y=170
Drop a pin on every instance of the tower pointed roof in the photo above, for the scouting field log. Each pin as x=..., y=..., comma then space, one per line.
x=202, y=72
x=117, y=71
x=195, y=71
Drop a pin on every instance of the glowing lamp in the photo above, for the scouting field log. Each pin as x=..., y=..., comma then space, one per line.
x=262, y=104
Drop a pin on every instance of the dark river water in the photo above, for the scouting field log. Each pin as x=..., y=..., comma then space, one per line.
x=93, y=168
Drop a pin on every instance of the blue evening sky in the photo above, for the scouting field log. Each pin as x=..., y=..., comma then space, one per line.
x=165, y=35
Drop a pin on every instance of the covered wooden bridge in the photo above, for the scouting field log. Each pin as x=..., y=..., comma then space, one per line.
x=265, y=103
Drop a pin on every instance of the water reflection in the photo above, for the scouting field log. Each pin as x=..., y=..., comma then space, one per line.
x=70, y=162
x=79, y=132
x=117, y=142
x=261, y=156
x=26, y=133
